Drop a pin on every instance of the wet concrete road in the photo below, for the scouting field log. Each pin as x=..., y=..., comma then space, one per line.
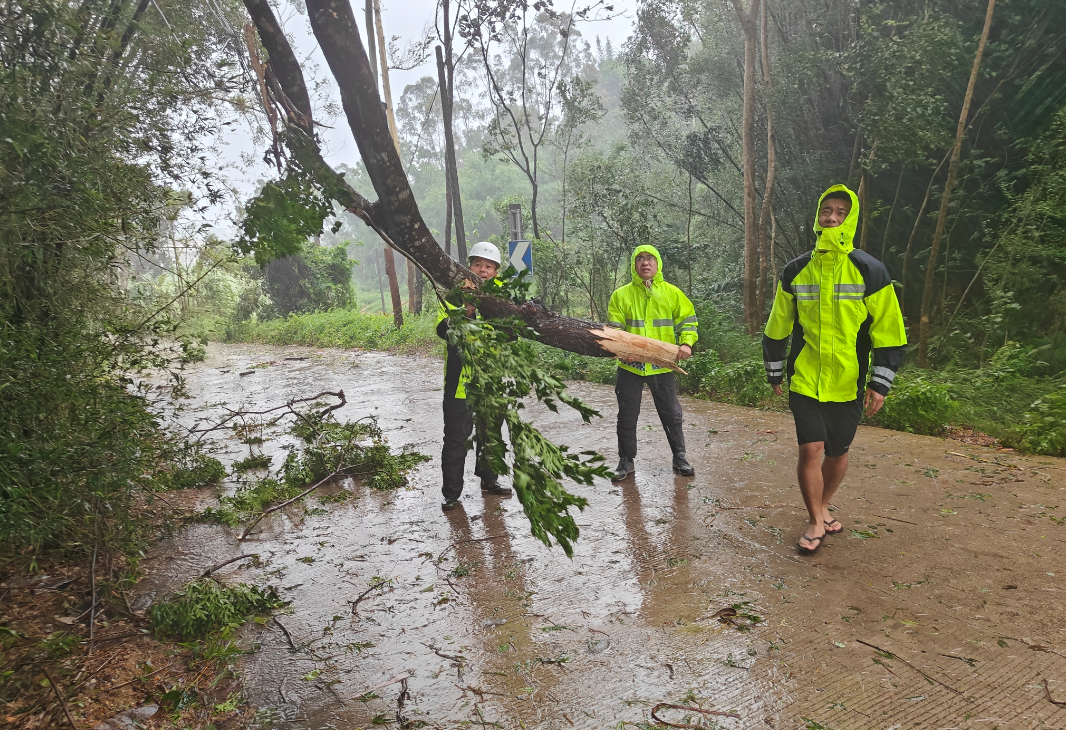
x=940, y=607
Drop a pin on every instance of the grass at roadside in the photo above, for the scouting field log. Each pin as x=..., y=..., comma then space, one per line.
x=344, y=328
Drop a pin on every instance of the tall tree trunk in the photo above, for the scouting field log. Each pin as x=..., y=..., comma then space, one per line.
x=395, y=215
x=533, y=208
x=449, y=131
x=766, y=261
x=450, y=165
x=747, y=134
x=924, y=325
x=688, y=235
x=381, y=287
x=864, y=198
x=413, y=292
x=390, y=260
x=891, y=211
x=448, y=218
x=853, y=168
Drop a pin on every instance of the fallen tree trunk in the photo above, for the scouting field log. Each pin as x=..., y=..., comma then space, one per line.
x=395, y=215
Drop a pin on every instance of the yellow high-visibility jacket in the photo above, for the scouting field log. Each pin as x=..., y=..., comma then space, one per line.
x=837, y=304
x=661, y=312
x=456, y=372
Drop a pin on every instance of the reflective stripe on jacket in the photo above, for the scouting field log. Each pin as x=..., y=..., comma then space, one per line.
x=838, y=304
x=661, y=312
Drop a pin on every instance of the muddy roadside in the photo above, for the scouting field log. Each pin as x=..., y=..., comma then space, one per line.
x=939, y=607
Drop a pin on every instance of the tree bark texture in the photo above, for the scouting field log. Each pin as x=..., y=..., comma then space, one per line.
x=766, y=259
x=390, y=260
x=924, y=325
x=395, y=216
x=414, y=295
x=449, y=121
x=747, y=135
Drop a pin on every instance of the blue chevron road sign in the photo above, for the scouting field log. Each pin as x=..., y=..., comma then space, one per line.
x=520, y=254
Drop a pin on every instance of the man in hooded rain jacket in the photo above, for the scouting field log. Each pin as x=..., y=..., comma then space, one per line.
x=651, y=307
x=838, y=304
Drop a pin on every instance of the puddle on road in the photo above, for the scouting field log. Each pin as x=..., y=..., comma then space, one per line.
x=474, y=621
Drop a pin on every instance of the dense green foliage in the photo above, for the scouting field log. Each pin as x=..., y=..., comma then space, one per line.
x=206, y=606
x=104, y=112
x=1044, y=426
x=343, y=328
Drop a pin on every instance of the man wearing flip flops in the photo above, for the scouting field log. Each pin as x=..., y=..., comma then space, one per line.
x=838, y=304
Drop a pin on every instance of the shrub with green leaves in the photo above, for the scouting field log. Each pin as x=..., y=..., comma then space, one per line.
x=742, y=382
x=1043, y=429
x=190, y=471
x=357, y=448
x=917, y=404
x=205, y=606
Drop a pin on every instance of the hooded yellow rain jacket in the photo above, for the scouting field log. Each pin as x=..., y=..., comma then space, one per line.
x=661, y=312
x=837, y=303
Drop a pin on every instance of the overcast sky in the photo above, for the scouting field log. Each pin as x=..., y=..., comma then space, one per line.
x=404, y=18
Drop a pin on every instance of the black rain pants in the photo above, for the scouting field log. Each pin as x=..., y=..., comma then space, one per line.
x=458, y=425
x=629, y=387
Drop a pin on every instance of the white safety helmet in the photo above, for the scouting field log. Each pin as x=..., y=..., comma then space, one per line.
x=485, y=250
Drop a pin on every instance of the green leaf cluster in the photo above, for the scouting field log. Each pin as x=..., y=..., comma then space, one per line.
x=205, y=606
x=1043, y=429
x=351, y=448
x=504, y=370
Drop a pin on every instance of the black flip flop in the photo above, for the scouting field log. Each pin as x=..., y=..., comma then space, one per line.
x=833, y=532
x=809, y=551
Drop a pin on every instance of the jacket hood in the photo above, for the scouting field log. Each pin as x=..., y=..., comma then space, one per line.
x=633, y=264
x=841, y=238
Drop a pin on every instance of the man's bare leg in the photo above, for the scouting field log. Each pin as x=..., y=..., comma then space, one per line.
x=809, y=473
x=833, y=470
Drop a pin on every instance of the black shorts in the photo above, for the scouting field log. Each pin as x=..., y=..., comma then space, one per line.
x=831, y=423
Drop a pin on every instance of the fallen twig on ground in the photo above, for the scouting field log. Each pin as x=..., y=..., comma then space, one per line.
x=897, y=656
x=1048, y=691
x=984, y=461
x=287, y=405
x=662, y=705
x=286, y=632
x=480, y=692
x=332, y=475
x=449, y=657
x=137, y=679
x=364, y=594
x=387, y=682
x=753, y=506
x=223, y=564
x=401, y=701
x=62, y=700
x=896, y=519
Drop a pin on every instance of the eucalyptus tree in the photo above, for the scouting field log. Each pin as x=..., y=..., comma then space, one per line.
x=529, y=54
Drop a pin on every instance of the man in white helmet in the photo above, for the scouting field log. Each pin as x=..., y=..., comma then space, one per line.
x=484, y=260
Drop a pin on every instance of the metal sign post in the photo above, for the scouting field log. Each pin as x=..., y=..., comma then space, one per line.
x=514, y=218
x=519, y=251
